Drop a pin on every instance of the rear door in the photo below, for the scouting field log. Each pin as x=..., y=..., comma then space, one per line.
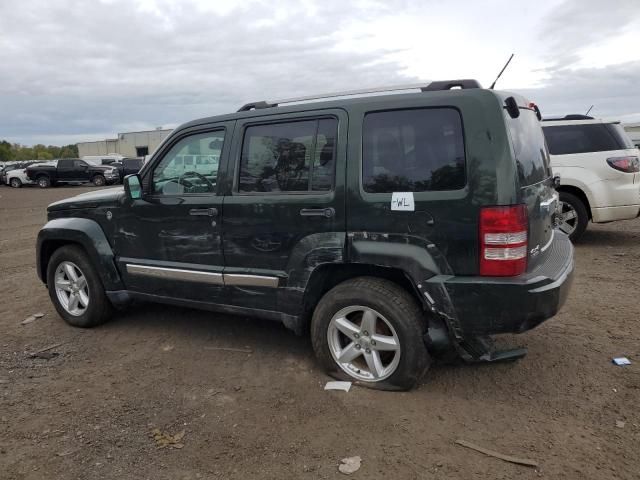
x=535, y=178
x=66, y=170
x=286, y=204
x=409, y=184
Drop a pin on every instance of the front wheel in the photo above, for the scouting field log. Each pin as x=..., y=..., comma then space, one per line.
x=99, y=181
x=44, y=182
x=370, y=331
x=75, y=288
x=15, y=183
x=574, y=216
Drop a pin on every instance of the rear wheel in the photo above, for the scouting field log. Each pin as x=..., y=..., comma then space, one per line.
x=15, y=183
x=99, y=181
x=575, y=217
x=369, y=330
x=43, y=182
x=75, y=288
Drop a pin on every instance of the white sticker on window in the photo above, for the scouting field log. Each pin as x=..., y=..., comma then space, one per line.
x=402, y=201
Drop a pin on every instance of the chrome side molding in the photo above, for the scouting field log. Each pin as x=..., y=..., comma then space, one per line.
x=250, y=280
x=175, y=274
x=232, y=279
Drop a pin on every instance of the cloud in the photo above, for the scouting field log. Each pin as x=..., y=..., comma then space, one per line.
x=575, y=25
x=613, y=90
x=76, y=69
x=92, y=67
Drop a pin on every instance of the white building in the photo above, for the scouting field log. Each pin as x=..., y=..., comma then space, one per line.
x=129, y=144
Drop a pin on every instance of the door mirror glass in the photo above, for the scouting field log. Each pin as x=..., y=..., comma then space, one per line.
x=133, y=187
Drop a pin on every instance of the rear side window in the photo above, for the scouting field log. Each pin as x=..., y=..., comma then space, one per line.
x=289, y=157
x=600, y=137
x=532, y=157
x=414, y=150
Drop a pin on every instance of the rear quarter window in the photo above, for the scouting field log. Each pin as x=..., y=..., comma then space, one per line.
x=585, y=138
x=532, y=156
x=413, y=150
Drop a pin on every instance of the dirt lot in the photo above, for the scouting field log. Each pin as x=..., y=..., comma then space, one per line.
x=88, y=412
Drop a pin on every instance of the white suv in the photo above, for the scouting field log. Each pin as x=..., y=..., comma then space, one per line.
x=598, y=168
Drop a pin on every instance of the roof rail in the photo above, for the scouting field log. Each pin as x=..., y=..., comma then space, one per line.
x=430, y=87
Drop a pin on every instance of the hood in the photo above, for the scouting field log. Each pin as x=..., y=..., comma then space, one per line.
x=100, y=198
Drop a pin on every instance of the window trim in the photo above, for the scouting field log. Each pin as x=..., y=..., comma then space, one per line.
x=167, y=149
x=235, y=190
x=449, y=193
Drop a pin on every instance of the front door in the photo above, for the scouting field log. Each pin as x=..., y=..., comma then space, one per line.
x=285, y=211
x=168, y=243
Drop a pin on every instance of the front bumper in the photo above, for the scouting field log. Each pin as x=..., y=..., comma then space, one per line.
x=492, y=305
x=111, y=179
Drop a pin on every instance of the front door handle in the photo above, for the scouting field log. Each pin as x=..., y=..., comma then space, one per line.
x=318, y=212
x=206, y=212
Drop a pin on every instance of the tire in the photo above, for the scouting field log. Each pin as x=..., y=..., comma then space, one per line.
x=98, y=308
x=99, y=181
x=43, y=181
x=400, y=318
x=571, y=204
x=15, y=183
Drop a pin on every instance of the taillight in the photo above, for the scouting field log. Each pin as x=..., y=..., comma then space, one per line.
x=503, y=240
x=625, y=164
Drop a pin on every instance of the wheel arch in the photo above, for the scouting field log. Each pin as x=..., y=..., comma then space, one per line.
x=14, y=178
x=327, y=276
x=84, y=233
x=578, y=192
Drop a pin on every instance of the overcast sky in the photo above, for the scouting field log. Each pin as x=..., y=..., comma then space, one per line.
x=74, y=70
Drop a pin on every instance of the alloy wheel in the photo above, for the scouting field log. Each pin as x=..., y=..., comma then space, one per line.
x=363, y=343
x=569, y=218
x=71, y=288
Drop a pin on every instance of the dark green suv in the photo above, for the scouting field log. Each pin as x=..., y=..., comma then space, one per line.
x=393, y=228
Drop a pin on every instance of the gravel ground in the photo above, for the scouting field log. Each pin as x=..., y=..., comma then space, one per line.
x=90, y=409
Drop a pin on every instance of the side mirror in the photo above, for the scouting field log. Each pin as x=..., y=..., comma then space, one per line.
x=556, y=181
x=133, y=186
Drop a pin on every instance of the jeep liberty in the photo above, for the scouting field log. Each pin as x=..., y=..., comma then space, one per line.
x=392, y=226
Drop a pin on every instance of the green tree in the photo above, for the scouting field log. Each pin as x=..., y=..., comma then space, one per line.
x=6, y=151
x=19, y=152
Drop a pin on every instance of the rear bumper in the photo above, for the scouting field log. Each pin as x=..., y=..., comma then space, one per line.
x=612, y=214
x=491, y=305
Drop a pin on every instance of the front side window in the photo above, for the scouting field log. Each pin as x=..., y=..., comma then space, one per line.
x=191, y=166
x=414, y=150
x=289, y=157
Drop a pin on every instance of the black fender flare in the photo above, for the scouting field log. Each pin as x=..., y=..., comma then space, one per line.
x=86, y=233
x=422, y=263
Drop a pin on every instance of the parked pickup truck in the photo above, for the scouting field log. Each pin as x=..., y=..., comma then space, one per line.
x=127, y=166
x=72, y=170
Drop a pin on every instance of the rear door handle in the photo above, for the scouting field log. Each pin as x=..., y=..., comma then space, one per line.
x=318, y=212
x=206, y=212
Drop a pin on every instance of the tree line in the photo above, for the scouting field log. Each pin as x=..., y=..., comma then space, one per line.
x=10, y=152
